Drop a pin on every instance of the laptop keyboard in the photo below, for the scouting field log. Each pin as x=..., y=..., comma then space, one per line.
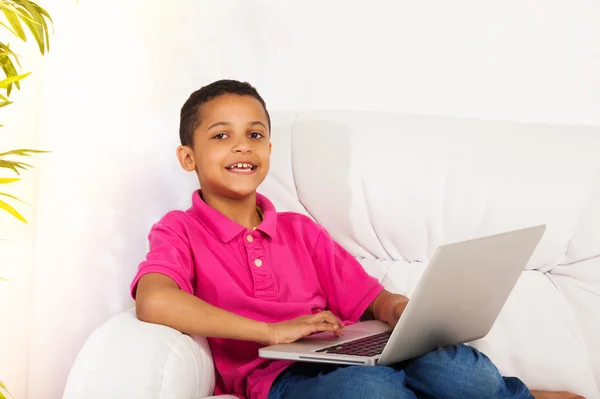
x=368, y=346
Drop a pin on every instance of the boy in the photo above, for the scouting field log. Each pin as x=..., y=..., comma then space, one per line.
x=237, y=272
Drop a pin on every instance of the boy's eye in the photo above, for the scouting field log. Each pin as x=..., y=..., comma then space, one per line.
x=220, y=136
x=256, y=135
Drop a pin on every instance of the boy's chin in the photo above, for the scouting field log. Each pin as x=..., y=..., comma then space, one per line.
x=239, y=189
x=240, y=192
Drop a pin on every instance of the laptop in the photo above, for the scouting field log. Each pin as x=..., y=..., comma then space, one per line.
x=457, y=300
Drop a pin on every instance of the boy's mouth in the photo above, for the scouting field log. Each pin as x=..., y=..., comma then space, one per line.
x=241, y=167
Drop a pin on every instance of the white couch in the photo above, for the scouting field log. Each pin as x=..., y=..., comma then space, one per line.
x=391, y=188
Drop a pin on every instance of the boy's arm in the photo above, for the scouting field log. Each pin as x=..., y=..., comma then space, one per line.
x=159, y=300
x=387, y=307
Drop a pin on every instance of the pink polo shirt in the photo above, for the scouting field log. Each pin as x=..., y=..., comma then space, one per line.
x=287, y=267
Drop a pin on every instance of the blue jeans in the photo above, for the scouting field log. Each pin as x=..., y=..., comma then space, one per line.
x=459, y=372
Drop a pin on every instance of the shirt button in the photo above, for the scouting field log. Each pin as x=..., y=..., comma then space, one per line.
x=258, y=262
x=249, y=238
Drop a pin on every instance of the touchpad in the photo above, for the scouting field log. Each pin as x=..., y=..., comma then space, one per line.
x=349, y=333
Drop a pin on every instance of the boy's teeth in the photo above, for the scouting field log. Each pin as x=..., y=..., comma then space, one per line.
x=241, y=166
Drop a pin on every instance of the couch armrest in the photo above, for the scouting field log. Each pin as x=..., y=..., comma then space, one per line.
x=127, y=358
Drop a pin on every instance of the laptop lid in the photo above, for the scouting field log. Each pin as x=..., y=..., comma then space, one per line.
x=461, y=293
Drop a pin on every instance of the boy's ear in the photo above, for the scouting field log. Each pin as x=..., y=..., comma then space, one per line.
x=185, y=155
x=270, y=147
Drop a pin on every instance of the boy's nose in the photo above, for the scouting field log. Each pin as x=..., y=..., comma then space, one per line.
x=243, y=149
x=242, y=146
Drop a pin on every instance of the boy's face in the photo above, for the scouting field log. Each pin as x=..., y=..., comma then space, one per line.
x=231, y=150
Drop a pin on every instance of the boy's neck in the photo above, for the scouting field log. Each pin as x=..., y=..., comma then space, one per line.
x=242, y=211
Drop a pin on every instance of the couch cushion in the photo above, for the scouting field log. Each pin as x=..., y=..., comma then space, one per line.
x=397, y=186
x=537, y=338
x=141, y=360
x=580, y=283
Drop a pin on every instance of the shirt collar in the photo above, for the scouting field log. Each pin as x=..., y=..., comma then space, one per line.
x=226, y=229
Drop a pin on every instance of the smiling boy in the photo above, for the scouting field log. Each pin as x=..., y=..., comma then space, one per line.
x=234, y=270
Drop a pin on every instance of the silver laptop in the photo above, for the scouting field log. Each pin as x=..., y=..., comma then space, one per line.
x=457, y=300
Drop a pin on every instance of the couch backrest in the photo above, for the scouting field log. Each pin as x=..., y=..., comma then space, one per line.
x=396, y=186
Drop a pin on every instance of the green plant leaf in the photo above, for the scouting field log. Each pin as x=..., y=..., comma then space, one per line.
x=5, y=82
x=35, y=22
x=4, y=5
x=37, y=35
x=9, y=165
x=7, y=65
x=6, y=56
x=13, y=20
x=9, y=28
x=6, y=180
x=9, y=68
x=1, y=383
x=5, y=48
x=5, y=101
x=42, y=15
x=46, y=30
x=22, y=165
x=42, y=11
x=6, y=207
x=13, y=197
x=14, y=165
x=22, y=152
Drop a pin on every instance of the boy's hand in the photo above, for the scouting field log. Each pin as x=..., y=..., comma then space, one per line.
x=397, y=310
x=388, y=307
x=292, y=330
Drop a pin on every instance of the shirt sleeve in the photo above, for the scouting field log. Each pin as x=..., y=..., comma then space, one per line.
x=170, y=254
x=347, y=286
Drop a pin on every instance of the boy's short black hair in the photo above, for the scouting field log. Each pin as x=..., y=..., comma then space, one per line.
x=190, y=112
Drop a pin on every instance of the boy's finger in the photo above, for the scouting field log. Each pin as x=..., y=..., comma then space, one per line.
x=328, y=317
x=321, y=327
x=320, y=317
x=337, y=321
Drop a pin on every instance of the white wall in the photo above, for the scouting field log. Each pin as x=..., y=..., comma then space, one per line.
x=20, y=130
x=119, y=71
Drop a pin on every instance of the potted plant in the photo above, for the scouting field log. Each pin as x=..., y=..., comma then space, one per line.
x=19, y=16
